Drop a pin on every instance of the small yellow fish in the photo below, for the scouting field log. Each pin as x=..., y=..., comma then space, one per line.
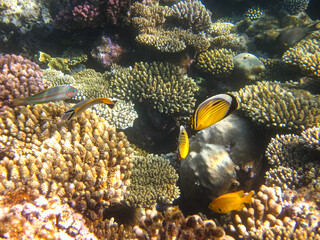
x=230, y=201
x=213, y=110
x=183, y=148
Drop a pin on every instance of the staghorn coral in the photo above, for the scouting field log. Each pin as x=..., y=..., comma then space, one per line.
x=305, y=55
x=270, y=104
x=254, y=13
x=84, y=162
x=294, y=160
x=295, y=6
x=153, y=180
x=216, y=61
x=19, y=77
x=161, y=86
x=277, y=214
x=193, y=15
x=173, y=225
x=40, y=218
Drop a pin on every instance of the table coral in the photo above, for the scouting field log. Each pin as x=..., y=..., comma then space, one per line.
x=277, y=214
x=153, y=180
x=84, y=162
x=173, y=225
x=216, y=61
x=19, y=77
x=159, y=85
x=305, y=55
x=40, y=218
x=270, y=104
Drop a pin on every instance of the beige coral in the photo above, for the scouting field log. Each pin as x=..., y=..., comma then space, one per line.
x=85, y=162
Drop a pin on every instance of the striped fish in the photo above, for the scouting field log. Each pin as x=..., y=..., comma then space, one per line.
x=213, y=110
x=80, y=107
x=183, y=148
x=57, y=93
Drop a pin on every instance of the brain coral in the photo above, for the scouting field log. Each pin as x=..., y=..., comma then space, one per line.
x=305, y=55
x=40, y=218
x=85, y=162
x=160, y=85
x=278, y=214
x=19, y=77
x=153, y=180
x=270, y=104
x=216, y=61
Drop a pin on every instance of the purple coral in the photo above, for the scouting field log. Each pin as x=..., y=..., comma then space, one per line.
x=107, y=51
x=19, y=77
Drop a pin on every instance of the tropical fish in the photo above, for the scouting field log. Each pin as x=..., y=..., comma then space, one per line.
x=213, y=110
x=290, y=36
x=183, y=148
x=230, y=202
x=80, y=107
x=57, y=93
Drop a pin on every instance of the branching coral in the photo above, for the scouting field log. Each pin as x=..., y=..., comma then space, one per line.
x=19, y=77
x=277, y=214
x=161, y=86
x=153, y=180
x=173, y=225
x=305, y=55
x=221, y=28
x=85, y=162
x=295, y=6
x=193, y=14
x=270, y=104
x=216, y=61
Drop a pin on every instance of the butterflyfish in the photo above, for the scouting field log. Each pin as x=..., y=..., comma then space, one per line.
x=80, y=107
x=58, y=93
x=213, y=110
x=183, y=148
x=230, y=202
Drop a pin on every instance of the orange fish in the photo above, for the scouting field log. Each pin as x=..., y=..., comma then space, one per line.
x=230, y=202
x=213, y=110
x=183, y=148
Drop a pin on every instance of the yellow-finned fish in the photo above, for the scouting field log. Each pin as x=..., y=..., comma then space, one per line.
x=213, y=110
x=80, y=107
x=183, y=148
x=52, y=94
x=230, y=202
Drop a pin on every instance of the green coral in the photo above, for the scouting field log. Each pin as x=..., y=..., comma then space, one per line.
x=273, y=105
x=153, y=180
x=159, y=85
x=216, y=61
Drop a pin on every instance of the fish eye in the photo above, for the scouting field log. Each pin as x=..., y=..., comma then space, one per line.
x=220, y=209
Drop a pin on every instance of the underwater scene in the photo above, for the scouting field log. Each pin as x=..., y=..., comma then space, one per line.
x=160, y=119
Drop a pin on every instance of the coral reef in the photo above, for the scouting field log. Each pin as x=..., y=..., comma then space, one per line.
x=294, y=160
x=54, y=77
x=209, y=169
x=254, y=13
x=40, y=218
x=232, y=41
x=221, y=28
x=193, y=15
x=273, y=105
x=216, y=61
x=19, y=77
x=278, y=214
x=85, y=162
x=173, y=225
x=305, y=55
x=295, y=6
x=153, y=180
x=161, y=86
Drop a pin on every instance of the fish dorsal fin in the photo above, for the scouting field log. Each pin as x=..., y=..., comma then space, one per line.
x=248, y=197
x=240, y=193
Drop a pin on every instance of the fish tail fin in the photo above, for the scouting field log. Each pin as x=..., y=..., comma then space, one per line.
x=248, y=197
x=17, y=102
x=111, y=102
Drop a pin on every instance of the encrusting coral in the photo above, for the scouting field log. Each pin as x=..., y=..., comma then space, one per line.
x=278, y=214
x=272, y=105
x=19, y=77
x=153, y=180
x=173, y=225
x=84, y=162
x=305, y=55
x=159, y=85
x=40, y=218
